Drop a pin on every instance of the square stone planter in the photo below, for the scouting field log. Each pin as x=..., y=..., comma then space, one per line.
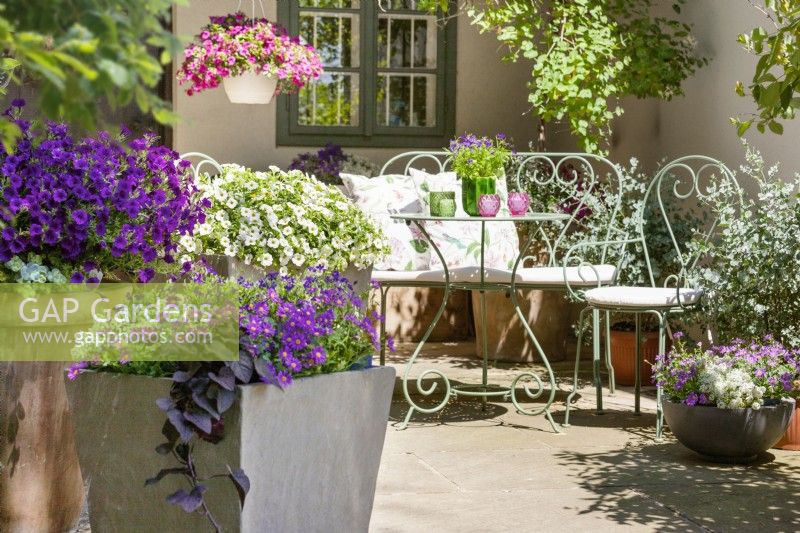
x=231, y=267
x=311, y=452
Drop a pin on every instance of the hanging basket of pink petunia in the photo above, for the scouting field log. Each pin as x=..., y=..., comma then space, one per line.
x=254, y=59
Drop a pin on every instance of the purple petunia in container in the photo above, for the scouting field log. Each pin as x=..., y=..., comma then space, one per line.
x=742, y=374
x=94, y=207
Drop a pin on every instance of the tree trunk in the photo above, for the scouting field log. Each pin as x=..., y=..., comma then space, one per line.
x=40, y=479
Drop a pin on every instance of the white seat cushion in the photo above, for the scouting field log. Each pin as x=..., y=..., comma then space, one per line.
x=457, y=275
x=642, y=297
x=539, y=276
x=583, y=276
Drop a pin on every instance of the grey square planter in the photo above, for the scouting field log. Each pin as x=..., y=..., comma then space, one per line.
x=234, y=268
x=312, y=453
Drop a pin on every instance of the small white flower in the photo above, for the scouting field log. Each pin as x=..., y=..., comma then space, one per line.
x=289, y=214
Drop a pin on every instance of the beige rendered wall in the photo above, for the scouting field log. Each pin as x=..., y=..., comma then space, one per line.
x=698, y=123
x=491, y=96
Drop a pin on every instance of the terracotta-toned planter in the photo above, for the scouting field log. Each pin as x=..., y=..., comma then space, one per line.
x=791, y=439
x=623, y=356
x=40, y=480
x=410, y=310
x=548, y=313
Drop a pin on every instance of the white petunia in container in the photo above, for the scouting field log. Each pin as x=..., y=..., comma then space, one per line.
x=284, y=221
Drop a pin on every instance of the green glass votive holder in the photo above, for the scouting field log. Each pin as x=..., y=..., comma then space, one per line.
x=472, y=189
x=442, y=203
x=447, y=208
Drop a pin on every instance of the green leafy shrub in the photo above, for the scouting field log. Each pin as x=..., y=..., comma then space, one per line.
x=752, y=268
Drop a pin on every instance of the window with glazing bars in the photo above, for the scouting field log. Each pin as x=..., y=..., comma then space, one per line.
x=389, y=75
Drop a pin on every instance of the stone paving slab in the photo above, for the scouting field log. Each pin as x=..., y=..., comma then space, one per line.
x=553, y=510
x=479, y=468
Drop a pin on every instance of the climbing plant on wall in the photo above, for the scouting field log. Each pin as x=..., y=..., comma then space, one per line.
x=587, y=54
x=775, y=86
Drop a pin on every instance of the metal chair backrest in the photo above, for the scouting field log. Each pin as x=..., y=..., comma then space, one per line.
x=578, y=175
x=200, y=161
x=689, y=180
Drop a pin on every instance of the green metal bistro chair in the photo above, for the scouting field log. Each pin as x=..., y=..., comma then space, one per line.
x=688, y=180
x=576, y=172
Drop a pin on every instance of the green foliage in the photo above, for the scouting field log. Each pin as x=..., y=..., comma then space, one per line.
x=153, y=369
x=752, y=272
x=588, y=53
x=474, y=157
x=84, y=52
x=775, y=87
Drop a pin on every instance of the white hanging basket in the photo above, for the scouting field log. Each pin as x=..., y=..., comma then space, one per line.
x=250, y=88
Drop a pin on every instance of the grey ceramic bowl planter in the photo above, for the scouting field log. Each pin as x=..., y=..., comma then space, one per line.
x=728, y=435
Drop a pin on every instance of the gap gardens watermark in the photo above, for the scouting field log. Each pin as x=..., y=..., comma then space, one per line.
x=119, y=322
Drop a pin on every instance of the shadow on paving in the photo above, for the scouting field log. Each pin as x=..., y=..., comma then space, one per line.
x=762, y=496
x=457, y=410
x=641, y=428
x=458, y=361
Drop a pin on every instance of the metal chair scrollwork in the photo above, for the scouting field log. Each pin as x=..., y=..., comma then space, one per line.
x=688, y=180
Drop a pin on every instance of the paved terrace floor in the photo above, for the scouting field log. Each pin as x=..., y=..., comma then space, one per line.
x=468, y=469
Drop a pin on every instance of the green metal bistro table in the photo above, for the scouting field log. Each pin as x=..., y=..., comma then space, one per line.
x=532, y=385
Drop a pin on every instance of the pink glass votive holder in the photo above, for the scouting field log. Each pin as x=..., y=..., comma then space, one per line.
x=489, y=205
x=518, y=203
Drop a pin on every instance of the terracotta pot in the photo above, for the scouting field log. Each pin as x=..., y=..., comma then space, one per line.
x=791, y=439
x=623, y=356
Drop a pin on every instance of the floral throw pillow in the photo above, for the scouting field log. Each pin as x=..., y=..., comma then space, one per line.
x=382, y=196
x=460, y=242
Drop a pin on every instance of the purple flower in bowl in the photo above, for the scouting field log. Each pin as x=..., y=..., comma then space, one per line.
x=489, y=205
